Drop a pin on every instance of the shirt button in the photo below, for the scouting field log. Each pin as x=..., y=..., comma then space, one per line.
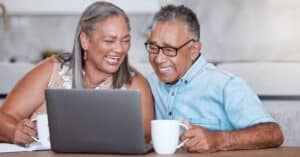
x=170, y=113
x=173, y=93
x=185, y=81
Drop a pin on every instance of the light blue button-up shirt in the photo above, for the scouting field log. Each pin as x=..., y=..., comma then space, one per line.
x=208, y=97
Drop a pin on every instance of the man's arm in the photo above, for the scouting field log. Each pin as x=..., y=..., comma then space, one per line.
x=262, y=135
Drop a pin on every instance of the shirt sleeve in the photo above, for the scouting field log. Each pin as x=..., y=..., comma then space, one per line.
x=242, y=106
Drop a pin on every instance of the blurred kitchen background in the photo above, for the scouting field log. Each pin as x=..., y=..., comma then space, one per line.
x=258, y=40
x=231, y=30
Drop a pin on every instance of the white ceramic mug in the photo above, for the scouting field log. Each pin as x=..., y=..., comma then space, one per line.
x=42, y=129
x=165, y=135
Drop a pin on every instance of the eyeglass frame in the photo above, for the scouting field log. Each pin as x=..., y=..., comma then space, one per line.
x=163, y=47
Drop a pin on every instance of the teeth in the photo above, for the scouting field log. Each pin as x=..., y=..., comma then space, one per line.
x=164, y=69
x=112, y=59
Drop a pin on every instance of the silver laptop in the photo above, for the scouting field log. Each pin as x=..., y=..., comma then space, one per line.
x=95, y=121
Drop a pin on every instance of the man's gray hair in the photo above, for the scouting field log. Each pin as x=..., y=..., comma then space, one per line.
x=170, y=13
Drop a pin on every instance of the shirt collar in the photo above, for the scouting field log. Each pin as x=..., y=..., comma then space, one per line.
x=195, y=69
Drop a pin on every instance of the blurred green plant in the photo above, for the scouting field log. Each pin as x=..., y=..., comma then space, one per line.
x=47, y=53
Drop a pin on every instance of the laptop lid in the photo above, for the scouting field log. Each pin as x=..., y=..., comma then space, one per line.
x=95, y=121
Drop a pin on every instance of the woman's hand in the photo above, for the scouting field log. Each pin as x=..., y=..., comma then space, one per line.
x=24, y=132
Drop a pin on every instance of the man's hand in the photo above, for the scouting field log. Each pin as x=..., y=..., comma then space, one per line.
x=24, y=131
x=264, y=135
x=199, y=139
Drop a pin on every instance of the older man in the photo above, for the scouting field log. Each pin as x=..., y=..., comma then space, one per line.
x=222, y=111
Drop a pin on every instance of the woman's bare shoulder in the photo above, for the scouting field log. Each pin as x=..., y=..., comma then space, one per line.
x=42, y=71
x=138, y=81
x=46, y=65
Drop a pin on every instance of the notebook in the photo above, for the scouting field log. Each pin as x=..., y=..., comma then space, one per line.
x=95, y=121
x=6, y=147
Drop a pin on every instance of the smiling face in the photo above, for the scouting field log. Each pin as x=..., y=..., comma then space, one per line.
x=108, y=44
x=172, y=34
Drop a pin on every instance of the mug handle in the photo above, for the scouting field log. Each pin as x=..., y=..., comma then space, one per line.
x=183, y=142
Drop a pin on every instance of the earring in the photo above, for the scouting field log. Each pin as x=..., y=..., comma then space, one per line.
x=84, y=55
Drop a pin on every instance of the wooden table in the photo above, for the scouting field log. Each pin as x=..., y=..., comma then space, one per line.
x=274, y=152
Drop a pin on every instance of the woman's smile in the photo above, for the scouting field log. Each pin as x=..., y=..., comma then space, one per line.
x=112, y=59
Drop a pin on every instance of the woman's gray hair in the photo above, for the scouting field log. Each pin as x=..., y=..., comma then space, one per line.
x=95, y=13
x=171, y=12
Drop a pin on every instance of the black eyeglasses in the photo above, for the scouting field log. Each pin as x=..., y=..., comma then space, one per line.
x=168, y=51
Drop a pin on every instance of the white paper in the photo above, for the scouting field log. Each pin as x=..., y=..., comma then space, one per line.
x=6, y=147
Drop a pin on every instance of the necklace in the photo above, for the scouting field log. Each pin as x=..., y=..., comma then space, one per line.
x=89, y=84
x=106, y=83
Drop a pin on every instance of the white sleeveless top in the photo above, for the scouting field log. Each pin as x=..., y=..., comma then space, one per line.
x=61, y=77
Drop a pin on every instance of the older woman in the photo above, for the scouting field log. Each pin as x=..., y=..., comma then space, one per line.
x=99, y=61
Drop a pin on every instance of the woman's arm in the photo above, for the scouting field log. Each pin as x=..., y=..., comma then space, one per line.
x=140, y=83
x=21, y=102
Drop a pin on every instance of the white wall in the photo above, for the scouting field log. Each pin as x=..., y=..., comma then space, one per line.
x=74, y=6
x=231, y=30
